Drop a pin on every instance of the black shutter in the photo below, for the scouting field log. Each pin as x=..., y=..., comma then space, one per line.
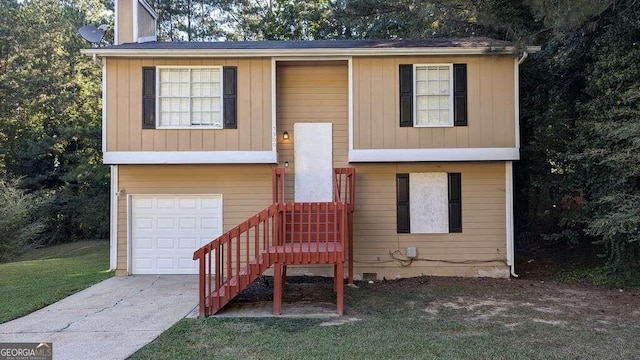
x=455, y=203
x=402, y=203
x=148, y=97
x=230, y=96
x=460, y=94
x=406, y=95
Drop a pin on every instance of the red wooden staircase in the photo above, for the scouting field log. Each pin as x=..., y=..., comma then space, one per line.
x=285, y=233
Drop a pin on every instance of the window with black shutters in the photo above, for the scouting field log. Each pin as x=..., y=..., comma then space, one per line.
x=189, y=97
x=429, y=203
x=433, y=95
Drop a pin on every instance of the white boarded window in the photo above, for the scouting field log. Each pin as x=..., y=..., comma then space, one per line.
x=433, y=95
x=429, y=203
x=190, y=97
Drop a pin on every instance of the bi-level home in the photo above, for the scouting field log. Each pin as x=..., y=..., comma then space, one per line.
x=202, y=137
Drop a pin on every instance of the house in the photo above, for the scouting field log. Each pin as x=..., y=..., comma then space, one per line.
x=194, y=131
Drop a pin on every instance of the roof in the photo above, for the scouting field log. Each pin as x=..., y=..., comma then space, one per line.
x=445, y=46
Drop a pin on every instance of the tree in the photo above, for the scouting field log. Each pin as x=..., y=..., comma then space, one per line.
x=606, y=153
x=50, y=117
x=188, y=20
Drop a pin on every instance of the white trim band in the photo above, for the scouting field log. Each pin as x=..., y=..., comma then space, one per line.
x=190, y=157
x=149, y=9
x=452, y=154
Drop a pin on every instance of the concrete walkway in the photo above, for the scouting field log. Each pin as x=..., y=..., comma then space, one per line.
x=110, y=320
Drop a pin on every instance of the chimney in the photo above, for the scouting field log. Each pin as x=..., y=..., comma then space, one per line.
x=135, y=22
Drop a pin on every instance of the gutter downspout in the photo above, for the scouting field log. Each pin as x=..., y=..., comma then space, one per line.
x=509, y=173
x=97, y=61
x=113, y=220
x=524, y=57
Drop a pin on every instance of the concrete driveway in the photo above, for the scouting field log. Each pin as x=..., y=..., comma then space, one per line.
x=110, y=320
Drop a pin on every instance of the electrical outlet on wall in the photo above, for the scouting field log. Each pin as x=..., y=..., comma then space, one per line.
x=411, y=252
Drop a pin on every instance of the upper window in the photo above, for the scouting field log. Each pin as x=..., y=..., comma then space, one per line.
x=190, y=97
x=433, y=95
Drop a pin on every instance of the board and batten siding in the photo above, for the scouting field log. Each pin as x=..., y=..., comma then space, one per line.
x=245, y=189
x=124, y=109
x=312, y=92
x=490, y=101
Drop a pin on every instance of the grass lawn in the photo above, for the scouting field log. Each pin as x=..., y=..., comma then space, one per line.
x=47, y=275
x=428, y=318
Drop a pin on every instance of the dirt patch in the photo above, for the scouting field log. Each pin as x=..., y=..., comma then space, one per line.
x=510, y=303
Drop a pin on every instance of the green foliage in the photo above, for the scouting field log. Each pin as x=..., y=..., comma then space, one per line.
x=601, y=276
x=580, y=169
x=607, y=151
x=50, y=115
x=18, y=221
x=283, y=20
x=187, y=20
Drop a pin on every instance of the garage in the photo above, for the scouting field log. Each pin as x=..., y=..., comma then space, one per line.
x=165, y=230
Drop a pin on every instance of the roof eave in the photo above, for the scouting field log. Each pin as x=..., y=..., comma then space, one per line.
x=194, y=53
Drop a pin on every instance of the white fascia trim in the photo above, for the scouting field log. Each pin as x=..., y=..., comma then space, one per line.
x=274, y=135
x=113, y=221
x=509, y=216
x=516, y=99
x=453, y=154
x=350, y=116
x=149, y=9
x=134, y=5
x=104, y=105
x=115, y=25
x=297, y=53
x=190, y=157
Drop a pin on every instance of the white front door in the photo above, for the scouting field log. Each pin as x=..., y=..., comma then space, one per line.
x=313, y=161
x=167, y=229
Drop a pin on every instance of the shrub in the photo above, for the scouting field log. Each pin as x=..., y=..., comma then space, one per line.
x=20, y=227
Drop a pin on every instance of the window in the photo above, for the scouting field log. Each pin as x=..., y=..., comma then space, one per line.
x=433, y=95
x=190, y=97
x=429, y=203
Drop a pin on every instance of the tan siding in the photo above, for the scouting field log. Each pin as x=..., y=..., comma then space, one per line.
x=125, y=21
x=483, y=239
x=112, y=115
x=312, y=93
x=146, y=24
x=490, y=97
x=245, y=189
x=124, y=109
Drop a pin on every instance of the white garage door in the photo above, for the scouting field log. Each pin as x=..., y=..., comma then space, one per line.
x=166, y=230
